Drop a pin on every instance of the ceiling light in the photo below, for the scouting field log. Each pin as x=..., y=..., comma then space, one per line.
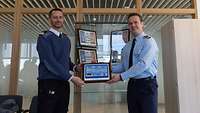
x=94, y=19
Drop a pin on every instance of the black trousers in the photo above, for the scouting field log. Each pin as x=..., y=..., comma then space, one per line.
x=142, y=95
x=53, y=96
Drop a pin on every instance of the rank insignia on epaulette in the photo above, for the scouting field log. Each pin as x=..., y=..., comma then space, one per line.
x=147, y=37
x=42, y=33
x=64, y=34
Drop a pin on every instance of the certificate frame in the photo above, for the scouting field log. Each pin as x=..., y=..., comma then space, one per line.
x=87, y=38
x=87, y=55
x=96, y=72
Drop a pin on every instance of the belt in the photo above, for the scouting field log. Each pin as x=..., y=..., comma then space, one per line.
x=147, y=78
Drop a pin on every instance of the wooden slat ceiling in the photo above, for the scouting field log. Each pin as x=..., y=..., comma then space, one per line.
x=35, y=23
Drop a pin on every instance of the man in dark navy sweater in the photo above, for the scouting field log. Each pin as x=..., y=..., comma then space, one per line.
x=53, y=81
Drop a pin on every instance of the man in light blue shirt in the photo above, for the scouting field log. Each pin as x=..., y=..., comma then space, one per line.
x=140, y=67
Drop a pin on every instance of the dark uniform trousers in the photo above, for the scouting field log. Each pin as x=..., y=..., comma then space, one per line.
x=53, y=96
x=142, y=95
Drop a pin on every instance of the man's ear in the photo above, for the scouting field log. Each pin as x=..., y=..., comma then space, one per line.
x=49, y=21
x=142, y=25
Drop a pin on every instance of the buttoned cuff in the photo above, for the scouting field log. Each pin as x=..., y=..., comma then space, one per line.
x=74, y=68
x=70, y=78
x=123, y=76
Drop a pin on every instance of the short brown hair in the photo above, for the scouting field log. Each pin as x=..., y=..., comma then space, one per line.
x=135, y=14
x=55, y=9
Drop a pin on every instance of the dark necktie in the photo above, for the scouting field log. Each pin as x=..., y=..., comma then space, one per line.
x=60, y=36
x=131, y=54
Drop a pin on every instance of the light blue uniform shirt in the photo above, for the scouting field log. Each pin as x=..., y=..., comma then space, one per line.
x=145, y=59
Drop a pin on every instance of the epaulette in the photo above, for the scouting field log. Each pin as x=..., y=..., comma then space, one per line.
x=43, y=33
x=147, y=37
x=64, y=34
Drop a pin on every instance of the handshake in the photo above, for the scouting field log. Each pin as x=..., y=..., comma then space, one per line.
x=92, y=73
x=75, y=79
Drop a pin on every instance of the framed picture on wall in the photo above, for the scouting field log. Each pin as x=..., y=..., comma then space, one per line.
x=87, y=38
x=96, y=72
x=87, y=55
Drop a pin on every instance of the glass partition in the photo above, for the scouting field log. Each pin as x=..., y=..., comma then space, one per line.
x=118, y=40
x=6, y=30
x=28, y=67
x=101, y=96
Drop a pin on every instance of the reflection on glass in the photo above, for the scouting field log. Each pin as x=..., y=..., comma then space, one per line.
x=27, y=81
x=103, y=51
x=5, y=60
x=118, y=38
x=28, y=64
x=28, y=70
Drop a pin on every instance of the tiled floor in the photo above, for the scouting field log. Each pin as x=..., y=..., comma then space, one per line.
x=100, y=103
x=107, y=102
x=110, y=108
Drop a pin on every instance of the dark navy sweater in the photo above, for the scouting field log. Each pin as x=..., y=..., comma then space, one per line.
x=54, y=55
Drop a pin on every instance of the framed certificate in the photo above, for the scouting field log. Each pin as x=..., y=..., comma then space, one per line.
x=87, y=38
x=96, y=72
x=87, y=56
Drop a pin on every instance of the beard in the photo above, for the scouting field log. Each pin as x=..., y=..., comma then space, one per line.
x=57, y=26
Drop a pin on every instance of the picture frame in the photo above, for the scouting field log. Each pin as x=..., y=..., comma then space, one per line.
x=87, y=38
x=87, y=55
x=96, y=72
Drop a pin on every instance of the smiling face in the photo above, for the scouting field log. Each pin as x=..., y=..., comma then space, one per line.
x=135, y=25
x=56, y=19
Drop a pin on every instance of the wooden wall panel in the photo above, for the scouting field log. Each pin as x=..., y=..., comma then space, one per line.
x=181, y=60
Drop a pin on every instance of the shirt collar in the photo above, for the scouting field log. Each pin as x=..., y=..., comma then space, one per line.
x=140, y=35
x=57, y=33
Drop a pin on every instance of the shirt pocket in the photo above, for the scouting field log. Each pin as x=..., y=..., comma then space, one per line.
x=137, y=51
x=125, y=54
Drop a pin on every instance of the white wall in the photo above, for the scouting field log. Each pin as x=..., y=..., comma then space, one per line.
x=181, y=56
x=198, y=8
